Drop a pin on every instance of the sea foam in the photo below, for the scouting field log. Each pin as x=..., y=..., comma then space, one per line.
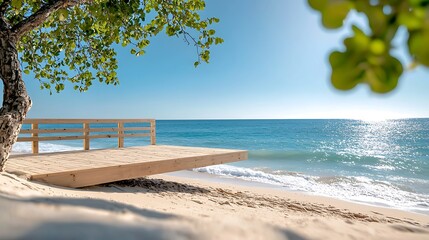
x=352, y=188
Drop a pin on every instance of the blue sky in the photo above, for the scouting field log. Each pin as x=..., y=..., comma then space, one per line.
x=273, y=64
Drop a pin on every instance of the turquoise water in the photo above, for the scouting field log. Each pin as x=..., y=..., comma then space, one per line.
x=384, y=163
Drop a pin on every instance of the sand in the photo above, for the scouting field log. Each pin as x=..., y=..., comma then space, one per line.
x=174, y=207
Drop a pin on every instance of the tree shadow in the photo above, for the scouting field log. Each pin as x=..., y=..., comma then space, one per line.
x=97, y=204
x=93, y=230
x=156, y=225
x=290, y=235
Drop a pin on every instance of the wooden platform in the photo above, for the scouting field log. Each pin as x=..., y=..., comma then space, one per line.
x=87, y=168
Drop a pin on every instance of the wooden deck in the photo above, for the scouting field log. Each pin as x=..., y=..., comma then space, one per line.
x=87, y=168
x=92, y=167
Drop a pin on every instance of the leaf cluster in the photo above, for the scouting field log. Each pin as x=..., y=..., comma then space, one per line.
x=77, y=44
x=367, y=57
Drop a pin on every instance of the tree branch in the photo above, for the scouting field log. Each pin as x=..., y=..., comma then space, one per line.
x=37, y=18
x=4, y=23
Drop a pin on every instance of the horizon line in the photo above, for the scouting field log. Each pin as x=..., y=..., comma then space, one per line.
x=214, y=119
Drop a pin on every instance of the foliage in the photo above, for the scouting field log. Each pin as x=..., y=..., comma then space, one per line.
x=77, y=44
x=367, y=56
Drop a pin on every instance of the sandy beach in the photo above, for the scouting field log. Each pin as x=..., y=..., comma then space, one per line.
x=180, y=207
x=195, y=119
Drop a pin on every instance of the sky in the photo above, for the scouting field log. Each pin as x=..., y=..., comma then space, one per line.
x=272, y=65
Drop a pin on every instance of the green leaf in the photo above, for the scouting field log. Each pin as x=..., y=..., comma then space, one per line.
x=337, y=59
x=140, y=53
x=143, y=43
x=16, y=4
x=205, y=56
x=62, y=14
x=335, y=12
x=411, y=21
x=170, y=31
x=418, y=46
x=360, y=40
x=218, y=41
x=377, y=47
x=345, y=75
x=367, y=58
x=384, y=78
x=318, y=4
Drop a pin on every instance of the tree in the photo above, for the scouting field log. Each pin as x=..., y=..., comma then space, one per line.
x=367, y=58
x=72, y=41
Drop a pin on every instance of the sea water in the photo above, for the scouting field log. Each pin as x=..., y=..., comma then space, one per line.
x=378, y=162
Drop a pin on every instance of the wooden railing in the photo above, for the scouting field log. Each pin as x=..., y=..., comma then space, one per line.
x=88, y=126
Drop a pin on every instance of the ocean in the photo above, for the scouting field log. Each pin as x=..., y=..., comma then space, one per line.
x=376, y=162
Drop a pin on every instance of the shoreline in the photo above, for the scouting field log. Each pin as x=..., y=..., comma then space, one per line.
x=195, y=208
x=246, y=183
x=206, y=178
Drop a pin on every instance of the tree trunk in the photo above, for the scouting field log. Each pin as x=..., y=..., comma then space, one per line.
x=16, y=101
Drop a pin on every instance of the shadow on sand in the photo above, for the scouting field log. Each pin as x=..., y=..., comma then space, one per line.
x=94, y=204
x=155, y=186
x=71, y=218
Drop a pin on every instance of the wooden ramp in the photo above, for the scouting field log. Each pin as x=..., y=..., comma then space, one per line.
x=87, y=168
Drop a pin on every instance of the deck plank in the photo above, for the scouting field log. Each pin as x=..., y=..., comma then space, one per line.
x=87, y=168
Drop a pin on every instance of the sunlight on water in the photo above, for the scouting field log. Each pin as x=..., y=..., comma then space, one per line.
x=389, y=142
x=377, y=140
x=384, y=146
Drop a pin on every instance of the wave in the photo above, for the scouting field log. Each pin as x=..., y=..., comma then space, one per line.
x=353, y=188
x=25, y=147
x=348, y=160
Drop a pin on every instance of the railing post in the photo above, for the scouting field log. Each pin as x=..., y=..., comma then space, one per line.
x=86, y=136
x=152, y=132
x=35, y=145
x=120, y=134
